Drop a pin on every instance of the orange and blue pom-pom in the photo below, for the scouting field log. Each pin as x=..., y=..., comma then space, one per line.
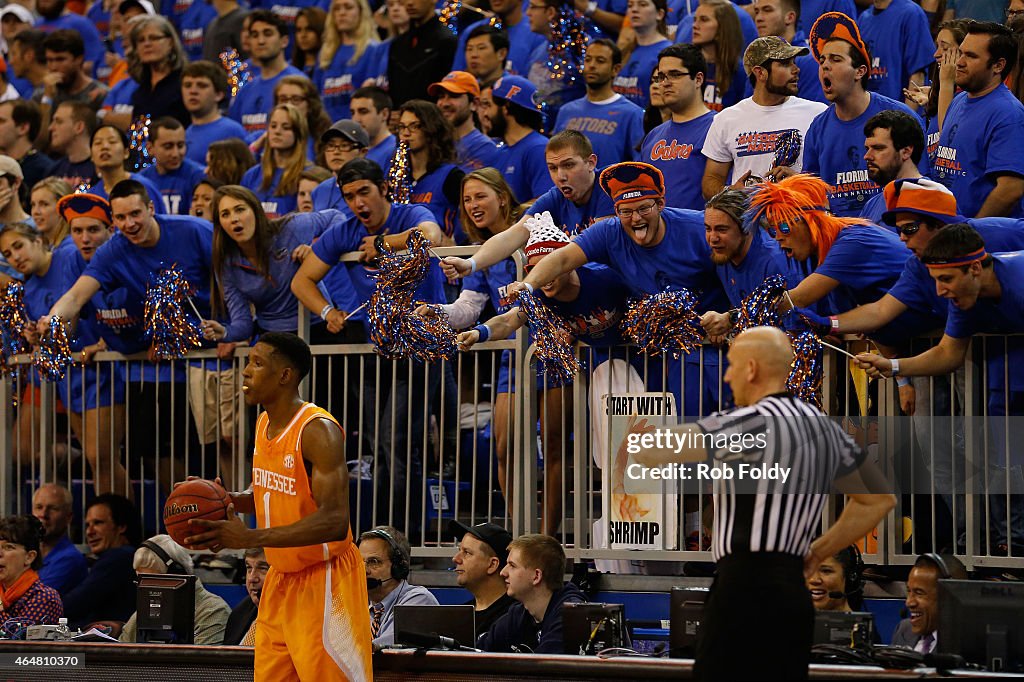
x=665, y=322
x=13, y=319
x=54, y=353
x=168, y=325
x=553, y=340
x=805, y=378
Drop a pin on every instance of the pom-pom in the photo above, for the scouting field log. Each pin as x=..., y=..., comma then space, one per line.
x=664, y=322
x=54, y=354
x=760, y=307
x=496, y=22
x=567, y=45
x=168, y=325
x=553, y=339
x=83, y=188
x=395, y=329
x=804, y=380
x=238, y=71
x=400, y=175
x=787, y=148
x=138, y=144
x=13, y=319
x=450, y=15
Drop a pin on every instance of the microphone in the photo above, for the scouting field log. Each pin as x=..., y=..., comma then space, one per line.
x=374, y=583
x=432, y=641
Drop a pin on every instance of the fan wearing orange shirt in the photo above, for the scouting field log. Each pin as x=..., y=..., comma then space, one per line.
x=313, y=623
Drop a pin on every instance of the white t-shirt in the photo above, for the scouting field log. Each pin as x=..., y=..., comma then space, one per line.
x=745, y=133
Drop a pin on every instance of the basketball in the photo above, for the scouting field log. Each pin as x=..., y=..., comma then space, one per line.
x=198, y=499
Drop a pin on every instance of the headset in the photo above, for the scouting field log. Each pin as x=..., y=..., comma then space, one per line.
x=939, y=563
x=399, y=559
x=853, y=567
x=172, y=565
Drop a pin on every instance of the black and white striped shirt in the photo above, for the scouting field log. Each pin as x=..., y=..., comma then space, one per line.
x=769, y=515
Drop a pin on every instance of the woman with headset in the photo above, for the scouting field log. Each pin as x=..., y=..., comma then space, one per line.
x=838, y=582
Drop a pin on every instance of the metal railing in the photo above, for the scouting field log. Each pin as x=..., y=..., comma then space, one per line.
x=425, y=443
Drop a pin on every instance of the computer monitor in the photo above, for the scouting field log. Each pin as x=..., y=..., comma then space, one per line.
x=421, y=625
x=853, y=629
x=983, y=622
x=165, y=609
x=686, y=610
x=590, y=628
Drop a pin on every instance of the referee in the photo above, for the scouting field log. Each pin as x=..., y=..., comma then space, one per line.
x=758, y=621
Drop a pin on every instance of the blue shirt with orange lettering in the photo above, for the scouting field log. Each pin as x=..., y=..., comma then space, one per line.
x=614, y=127
x=595, y=314
x=976, y=147
x=674, y=149
x=439, y=191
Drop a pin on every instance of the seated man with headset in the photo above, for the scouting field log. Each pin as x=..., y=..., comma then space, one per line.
x=386, y=554
x=920, y=631
x=159, y=555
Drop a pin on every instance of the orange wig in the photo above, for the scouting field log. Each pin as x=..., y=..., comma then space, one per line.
x=800, y=197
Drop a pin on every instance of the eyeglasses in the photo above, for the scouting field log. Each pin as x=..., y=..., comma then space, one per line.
x=339, y=147
x=142, y=40
x=292, y=99
x=643, y=211
x=909, y=229
x=411, y=127
x=673, y=75
x=1014, y=13
x=373, y=562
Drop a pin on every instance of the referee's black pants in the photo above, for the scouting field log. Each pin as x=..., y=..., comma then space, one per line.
x=758, y=621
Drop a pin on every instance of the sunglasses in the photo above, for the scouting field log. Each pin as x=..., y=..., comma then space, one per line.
x=908, y=229
x=782, y=227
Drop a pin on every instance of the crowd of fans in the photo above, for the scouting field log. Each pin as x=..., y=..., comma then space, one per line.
x=874, y=150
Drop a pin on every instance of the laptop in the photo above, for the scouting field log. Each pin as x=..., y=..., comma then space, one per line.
x=414, y=623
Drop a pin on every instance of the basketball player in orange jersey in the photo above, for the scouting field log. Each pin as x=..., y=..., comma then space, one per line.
x=313, y=623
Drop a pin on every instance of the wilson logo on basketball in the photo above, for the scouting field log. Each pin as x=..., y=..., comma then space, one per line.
x=175, y=509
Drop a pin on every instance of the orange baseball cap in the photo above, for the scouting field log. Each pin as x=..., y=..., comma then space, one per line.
x=457, y=82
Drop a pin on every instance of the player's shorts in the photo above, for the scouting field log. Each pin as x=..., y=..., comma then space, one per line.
x=314, y=624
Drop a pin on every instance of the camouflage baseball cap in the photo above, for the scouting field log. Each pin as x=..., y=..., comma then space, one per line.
x=768, y=48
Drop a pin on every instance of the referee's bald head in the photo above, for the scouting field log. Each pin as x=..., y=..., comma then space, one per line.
x=760, y=359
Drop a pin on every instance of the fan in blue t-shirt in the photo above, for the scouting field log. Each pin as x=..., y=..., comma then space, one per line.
x=172, y=173
x=900, y=43
x=652, y=249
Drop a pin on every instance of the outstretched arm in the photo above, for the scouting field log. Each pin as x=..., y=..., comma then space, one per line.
x=494, y=250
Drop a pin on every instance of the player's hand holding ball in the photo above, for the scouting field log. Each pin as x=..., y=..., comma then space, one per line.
x=199, y=514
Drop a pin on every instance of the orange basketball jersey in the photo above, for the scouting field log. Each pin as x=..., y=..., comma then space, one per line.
x=282, y=492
